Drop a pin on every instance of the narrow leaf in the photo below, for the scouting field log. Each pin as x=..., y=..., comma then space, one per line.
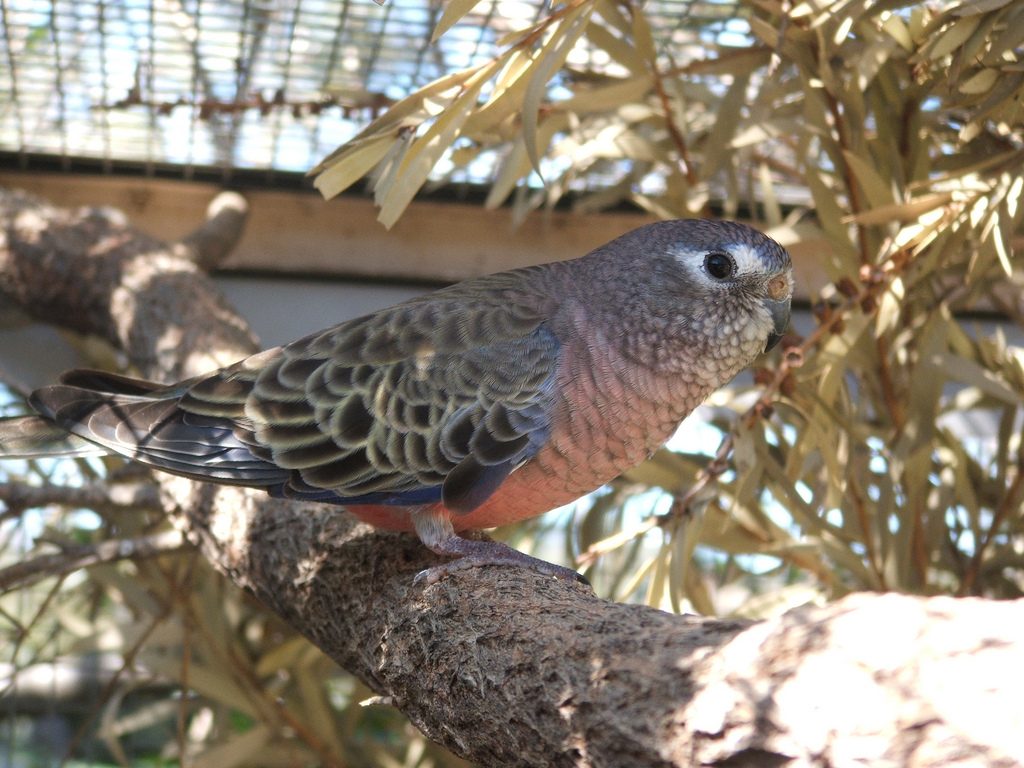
x=954, y=37
x=911, y=210
x=239, y=750
x=454, y=10
x=347, y=168
x=617, y=48
x=875, y=188
x=608, y=97
x=427, y=149
x=730, y=110
x=981, y=82
x=556, y=50
x=972, y=374
x=399, y=112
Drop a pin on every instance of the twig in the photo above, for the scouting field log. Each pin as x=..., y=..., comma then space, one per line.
x=1011, y=503
x=870, y=551
x=82, y=556
x=673, y=129
x=714, y=470
x=271, y=708
x=685, y=161
x=97, y=496
x=108, y=689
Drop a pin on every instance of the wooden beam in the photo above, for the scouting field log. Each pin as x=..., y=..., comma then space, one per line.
x=300, y=233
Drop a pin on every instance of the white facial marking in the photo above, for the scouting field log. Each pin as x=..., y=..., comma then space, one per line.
x=690, y=260
x=747, y=259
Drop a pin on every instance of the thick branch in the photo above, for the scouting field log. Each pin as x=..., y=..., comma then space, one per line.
x=509, y=668
x=211, y=242
x=88, y=271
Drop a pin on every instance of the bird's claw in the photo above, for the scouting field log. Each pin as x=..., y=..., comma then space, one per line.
x=436, y=532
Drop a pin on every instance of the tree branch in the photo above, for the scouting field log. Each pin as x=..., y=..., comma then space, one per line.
x=71, y=558
x=211, y=242
x=504, y=666
x=98, y=496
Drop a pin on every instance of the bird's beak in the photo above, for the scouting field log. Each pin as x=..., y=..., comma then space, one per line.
x=780, y=320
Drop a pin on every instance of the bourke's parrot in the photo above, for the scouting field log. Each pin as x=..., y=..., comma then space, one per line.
x=484, y=403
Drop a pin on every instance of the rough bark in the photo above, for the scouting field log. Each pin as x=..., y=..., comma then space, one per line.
x=504, y=666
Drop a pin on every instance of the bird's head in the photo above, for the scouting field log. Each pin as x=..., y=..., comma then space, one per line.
x=709, y=289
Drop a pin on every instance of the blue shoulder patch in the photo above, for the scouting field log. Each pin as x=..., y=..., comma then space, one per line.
x=411, y=498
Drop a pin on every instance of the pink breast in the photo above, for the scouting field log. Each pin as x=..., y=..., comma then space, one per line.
x=528, y=492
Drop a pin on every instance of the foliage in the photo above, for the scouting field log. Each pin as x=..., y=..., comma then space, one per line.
x=878, y=450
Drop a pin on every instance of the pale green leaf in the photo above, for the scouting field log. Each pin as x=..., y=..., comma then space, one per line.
x=697, y=592
x=981, y=82
x=385, y=175
x=665, y=469
x=553, y=55
x=976, y=7
x=896, y=28
x=316, y=712
x=619, y=49
x=889, y=307
x=970, y=373
x=282, y=655
x=241, y=750
x=513, y=167
x=772, y=210
x=955, y=36
x=1001, y=240
x=410, y=108
x=636, y=578
x=730, y=112
x=643, y=39
x=506, y=96
x=346, y=169
x=656, y=587
x=613, y=12
x=875, y=188
x=729, y=62
x=607, y=97
x=831, y=217
x=1008, y=40
x=453, y=11
x=910, y=210
x=516, y=164
x=426, y=150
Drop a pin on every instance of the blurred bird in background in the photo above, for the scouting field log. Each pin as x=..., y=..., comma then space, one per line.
x=488, y=402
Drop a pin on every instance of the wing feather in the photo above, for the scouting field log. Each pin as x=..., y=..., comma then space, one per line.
x=441, y=397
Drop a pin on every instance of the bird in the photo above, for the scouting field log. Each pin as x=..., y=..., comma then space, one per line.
x=480, y=404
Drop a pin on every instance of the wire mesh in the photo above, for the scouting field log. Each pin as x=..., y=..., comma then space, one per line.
x=249, y=84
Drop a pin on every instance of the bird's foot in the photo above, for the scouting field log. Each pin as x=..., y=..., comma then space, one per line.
x=436, y=532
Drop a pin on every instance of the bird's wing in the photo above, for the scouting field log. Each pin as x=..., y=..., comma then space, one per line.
x=438, y=399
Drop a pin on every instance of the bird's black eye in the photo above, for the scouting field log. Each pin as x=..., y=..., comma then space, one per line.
x=719, y=265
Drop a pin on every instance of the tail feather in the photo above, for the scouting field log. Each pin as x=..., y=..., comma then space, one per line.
x=33, y=437
x=115, y=383
x=138, y=420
